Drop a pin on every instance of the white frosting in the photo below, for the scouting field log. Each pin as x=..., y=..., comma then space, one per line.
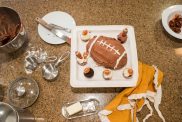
x=85, y=60
x=107, y=76
x=85, y=37
x=90, y=48
x=82, y=61
x=109, y=46
x=126, y=73
x=119, y=59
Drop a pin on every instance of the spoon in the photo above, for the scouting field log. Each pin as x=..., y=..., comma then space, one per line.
x=50, y=71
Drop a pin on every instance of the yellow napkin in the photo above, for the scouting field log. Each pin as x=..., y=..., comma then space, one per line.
x=124, y=106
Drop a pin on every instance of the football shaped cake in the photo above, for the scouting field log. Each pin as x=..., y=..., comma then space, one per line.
x=107, y=52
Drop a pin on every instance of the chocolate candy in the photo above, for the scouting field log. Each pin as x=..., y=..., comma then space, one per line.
x=88, y=72
x=122, y=37
x=176, y=23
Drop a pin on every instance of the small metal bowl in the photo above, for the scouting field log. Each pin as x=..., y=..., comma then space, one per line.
x=49, y=72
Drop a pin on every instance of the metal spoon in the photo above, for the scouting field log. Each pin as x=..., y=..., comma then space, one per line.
x=50, y=71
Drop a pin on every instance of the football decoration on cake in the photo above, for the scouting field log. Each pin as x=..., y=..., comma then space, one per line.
x=107, y=52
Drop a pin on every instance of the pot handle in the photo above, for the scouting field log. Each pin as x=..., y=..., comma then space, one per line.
x=63, y=57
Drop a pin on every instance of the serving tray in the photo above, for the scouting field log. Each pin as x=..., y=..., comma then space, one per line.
x=77, y=78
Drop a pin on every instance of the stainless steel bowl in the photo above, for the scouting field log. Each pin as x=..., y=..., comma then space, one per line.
x=19, y=39
x=7, y=113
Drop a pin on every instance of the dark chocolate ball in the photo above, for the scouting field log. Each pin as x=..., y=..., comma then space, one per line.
x=88, y=72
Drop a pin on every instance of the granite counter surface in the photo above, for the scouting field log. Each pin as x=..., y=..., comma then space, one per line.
x=154, y=46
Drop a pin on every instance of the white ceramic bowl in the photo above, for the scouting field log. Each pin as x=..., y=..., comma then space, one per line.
x=167, y=15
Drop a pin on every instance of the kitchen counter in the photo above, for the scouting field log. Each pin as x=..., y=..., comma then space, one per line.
x=154, y=46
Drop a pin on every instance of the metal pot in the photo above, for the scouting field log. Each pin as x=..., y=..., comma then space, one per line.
x=20, y=38
x=9, y=113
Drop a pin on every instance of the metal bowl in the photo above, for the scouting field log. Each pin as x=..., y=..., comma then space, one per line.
x=20, y=38
x=23, y=99
x=7, y=113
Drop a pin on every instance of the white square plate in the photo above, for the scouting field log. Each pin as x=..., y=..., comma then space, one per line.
x=77, y=78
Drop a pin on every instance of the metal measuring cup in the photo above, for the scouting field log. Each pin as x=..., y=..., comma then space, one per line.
x=31, y=63
x=50, y=71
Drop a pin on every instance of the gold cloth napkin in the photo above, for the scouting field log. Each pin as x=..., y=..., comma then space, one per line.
x=124, y=106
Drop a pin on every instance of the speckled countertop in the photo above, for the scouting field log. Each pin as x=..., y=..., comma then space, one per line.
x=154, y=45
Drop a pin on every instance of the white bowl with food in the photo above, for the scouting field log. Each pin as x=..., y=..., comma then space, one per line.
x=172, y=20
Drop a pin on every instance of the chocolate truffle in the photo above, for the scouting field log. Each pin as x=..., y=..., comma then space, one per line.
x=88, y=72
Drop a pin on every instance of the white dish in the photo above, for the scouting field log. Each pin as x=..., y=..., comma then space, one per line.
x=167, y=15
x=59, y=18
x=77, y=78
